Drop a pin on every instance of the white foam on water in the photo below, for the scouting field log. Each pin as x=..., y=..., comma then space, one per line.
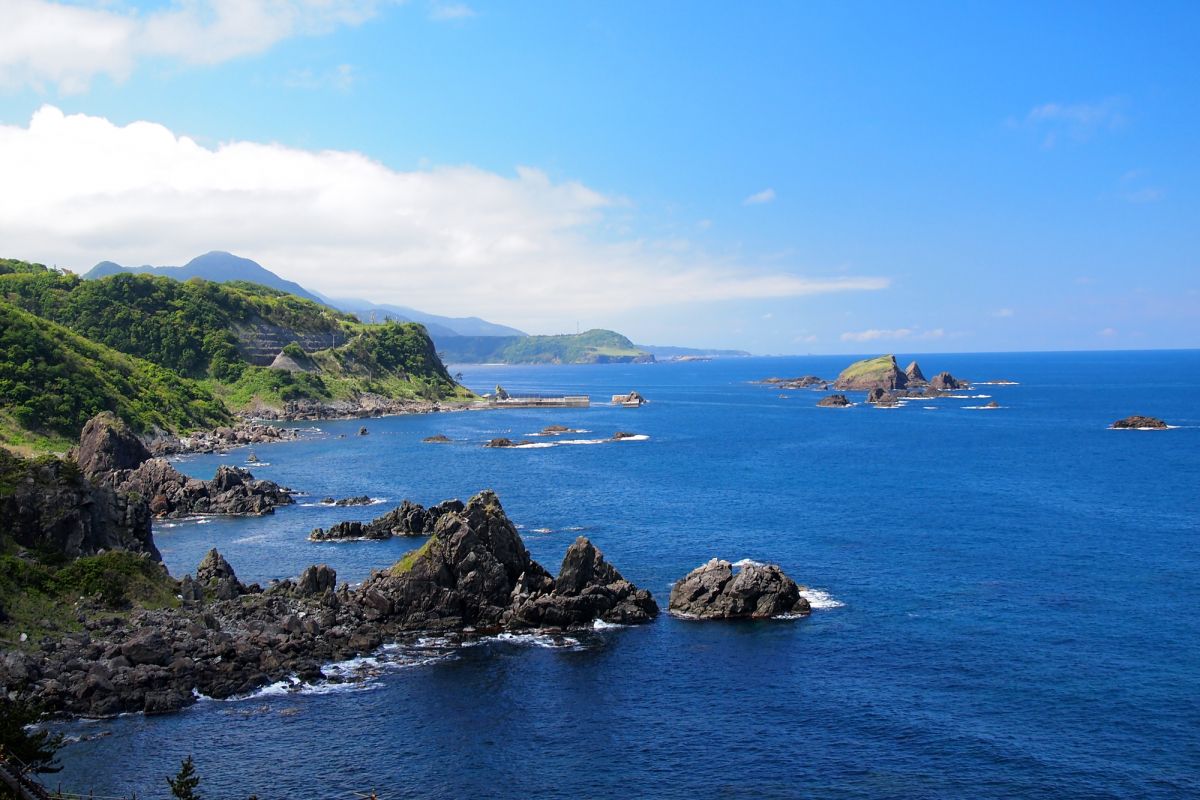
x=601, y=625
x=533, y=446
x=820, y=599
x=982, y=408
x=583, y=441
x=542, y=530
x=545, y=640
x=748, y=562
x=203, y=521
x=958, y=396
x=637, y=437
x=257, y=464
x=981, y=397
x=929, y=408
x=258, y=537
x=575, y=528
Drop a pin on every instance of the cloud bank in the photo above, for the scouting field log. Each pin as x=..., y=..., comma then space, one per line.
x=454, y=240
x=877, y=334
x=67, y=45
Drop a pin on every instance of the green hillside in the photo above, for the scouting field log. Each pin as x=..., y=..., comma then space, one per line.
x=178, y=355
x=53, y=380
x=596, y=346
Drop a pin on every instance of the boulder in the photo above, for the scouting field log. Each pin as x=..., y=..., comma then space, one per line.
x=216, y=574
x=317, y=579
x=945, y=382
x=833, y=401
x=362, y=431
x=106, y=444
x=1140, y=423
x=717, y=590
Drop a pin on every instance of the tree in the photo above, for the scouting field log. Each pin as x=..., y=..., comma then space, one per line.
x=35, y=750
x=183, y=787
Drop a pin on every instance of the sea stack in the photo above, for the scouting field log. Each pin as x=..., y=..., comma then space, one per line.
x=871, y=373
x=1138, y=422
x=914, y=374
x=755, y=591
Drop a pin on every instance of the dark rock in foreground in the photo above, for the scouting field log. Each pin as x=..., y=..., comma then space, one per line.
x=228, y=640
x=1140, y=423
x=945, y=382
x=833, y=401
x=716, y=591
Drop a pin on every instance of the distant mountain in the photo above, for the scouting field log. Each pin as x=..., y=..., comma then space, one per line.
x=221, y=267
x=663, y=351
x=438, y=326
x=217, y=266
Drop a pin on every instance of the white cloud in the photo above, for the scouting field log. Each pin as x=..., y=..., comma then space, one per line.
x=1003, y=313
x=67, y=45
x=456, y=240
x=443, y=12
x=1077, y=121
x=876, y=334
x=760, y=198
x=1107, y=332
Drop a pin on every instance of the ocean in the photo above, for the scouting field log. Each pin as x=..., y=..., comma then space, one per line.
x=1005, y=600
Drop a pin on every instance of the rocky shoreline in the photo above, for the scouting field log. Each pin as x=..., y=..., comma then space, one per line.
x=226, y=639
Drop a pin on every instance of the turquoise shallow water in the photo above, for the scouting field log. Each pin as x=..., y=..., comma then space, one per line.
x=1007, y=597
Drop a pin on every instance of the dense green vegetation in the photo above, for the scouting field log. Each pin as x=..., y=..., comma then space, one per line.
x=179, y=355
x=53, y=380
x=869, y=368
x=589, y=347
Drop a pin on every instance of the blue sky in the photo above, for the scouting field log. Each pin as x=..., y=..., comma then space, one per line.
x=779, y=177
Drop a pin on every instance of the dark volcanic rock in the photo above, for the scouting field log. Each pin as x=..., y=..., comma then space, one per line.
x=505, y=442
x=107, y=444
x=362, y=431
x=475, y=571
x=834, y=401
x=360, y=500
x=881, y=397
x=1140, y=422
x=945, y=382
x=406, y=519
x=715, y=591
x=619, y=435
x=50, y=506
x=437, y=439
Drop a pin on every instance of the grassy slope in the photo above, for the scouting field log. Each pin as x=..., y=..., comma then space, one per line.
x=868, y=367
x=186, y=329
x=53, y=380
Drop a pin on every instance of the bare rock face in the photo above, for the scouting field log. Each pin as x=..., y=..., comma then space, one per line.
x=406, y=519
x=913, y=371
x=476, y=572
x=215, y=574
x=1138, y=422
x=881, y=397
x=107, y=444
x=834, y=401
x=872, y=373
x=716, y=591
x=317, y=579
x=50, y=505
x=945, y=382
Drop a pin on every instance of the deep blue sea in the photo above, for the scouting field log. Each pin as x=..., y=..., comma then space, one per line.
x=1009, y=599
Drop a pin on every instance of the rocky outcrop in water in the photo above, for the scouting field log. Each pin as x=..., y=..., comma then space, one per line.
x=945, y=382
x=113, y=458
x=881, y=397
x=228, y=639
x=717, y=590
x=439, y=438
x=406, y=519
x=802, y=382
x=1138, y=422
x=871, y=373
x=914, y=374
x=833, y=401
x=504, y=441
x=474, y=571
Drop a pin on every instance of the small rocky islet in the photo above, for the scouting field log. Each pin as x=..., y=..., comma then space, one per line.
x=880, y=377
x=747, y=590
x=1140, y=423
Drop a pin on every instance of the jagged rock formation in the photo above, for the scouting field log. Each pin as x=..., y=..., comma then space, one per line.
x=475, y=571
x=108, y=447
x=228, y=639
x=881, y=397
x=945, y=382
x=406, y=519
x=755, y=591
x=1141, y=423
x=49, y=505
x=871, y=373
x=222, y=438
x=833, y=401
x=802, y=382
x=504, y=441
x=914, y=374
